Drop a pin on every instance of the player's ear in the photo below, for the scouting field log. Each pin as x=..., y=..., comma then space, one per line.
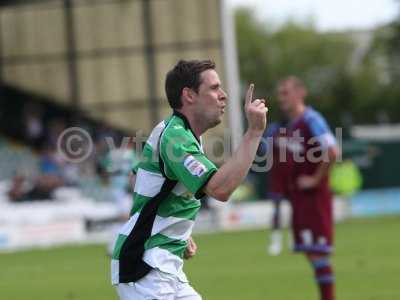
x=188, y=95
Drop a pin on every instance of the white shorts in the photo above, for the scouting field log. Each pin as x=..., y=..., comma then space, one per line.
x=157, y=285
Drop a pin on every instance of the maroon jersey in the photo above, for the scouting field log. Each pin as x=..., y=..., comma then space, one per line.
x=307, y=142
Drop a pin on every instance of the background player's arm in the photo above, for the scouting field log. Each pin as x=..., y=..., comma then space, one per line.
x=132, y=180
x=324, y=167
x=309, y=182
x=223, y=183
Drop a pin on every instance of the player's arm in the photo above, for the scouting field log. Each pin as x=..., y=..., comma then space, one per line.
x=132, y=174
x=309, y=182
x=223, y=183
x=268, y=135
x=324, y=166
x=132, y=180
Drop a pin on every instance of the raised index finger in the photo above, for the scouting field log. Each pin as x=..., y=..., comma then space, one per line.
x=249, y=94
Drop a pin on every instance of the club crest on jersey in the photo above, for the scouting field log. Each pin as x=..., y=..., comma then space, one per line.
x=194, y=166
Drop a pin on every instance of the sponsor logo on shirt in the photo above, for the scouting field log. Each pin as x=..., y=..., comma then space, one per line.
x=195, y=167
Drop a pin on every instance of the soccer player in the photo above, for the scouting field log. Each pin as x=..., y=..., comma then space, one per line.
x=277, y=178
x=311, y=150
x=119, y=164
x=173, y=174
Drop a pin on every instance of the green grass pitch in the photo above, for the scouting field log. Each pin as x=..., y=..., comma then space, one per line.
x=228, y=266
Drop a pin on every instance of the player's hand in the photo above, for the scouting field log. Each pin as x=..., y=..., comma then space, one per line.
x=191, y=249
x=305, y=182
x=256, y=111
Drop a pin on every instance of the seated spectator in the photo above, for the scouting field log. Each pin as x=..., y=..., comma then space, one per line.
x=42, y=186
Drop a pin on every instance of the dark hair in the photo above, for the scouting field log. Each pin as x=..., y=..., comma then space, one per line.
x=186, y=73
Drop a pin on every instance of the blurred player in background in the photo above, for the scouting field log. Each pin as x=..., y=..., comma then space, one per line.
x=171, y=177
x=276, y=179
x=119, y=163
x=311, y=149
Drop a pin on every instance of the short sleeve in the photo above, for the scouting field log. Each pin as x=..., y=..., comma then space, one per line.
x=185, y=162
x=320, y=130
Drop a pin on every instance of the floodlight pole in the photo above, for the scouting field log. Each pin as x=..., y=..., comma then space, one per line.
x=235, y=107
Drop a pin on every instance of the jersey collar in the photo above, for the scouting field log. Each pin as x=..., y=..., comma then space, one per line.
x=301, y=117
x=186, y=122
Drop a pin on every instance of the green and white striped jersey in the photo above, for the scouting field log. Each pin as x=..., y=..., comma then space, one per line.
x=169, y=181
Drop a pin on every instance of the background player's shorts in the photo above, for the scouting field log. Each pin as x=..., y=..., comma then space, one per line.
x=312, y=222
x=157, y=285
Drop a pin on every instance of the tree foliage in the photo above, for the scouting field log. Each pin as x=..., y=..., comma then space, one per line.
x=325, y=61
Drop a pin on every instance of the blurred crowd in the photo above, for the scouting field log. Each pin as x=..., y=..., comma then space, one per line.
x=105, y=165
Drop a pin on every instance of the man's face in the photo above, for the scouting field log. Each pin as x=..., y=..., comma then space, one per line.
x=289, y=96
x=211, y=99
